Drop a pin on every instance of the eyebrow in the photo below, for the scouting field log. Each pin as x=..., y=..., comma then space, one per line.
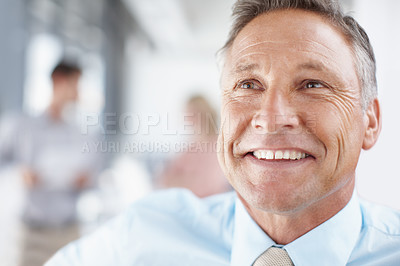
x=311, y=66
x=245, y=68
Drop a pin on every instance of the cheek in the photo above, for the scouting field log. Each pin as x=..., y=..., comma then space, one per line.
x=236, y=115
x=339, y=127
x=336, y=112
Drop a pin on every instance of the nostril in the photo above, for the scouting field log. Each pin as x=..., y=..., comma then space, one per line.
x=273, y=123
x=259, y=122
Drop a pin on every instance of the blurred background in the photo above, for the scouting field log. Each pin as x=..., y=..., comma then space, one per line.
x=149, y=76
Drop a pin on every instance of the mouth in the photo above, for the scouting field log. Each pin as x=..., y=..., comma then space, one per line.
x=280, y=155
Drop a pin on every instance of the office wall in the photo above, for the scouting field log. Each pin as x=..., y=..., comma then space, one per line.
x=378, y=174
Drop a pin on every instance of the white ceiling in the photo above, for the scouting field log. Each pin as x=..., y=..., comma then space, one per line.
x=181, y=24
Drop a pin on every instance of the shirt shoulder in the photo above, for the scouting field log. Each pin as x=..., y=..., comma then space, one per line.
x=380, y=218
x=179, y=215
x=379, y=239
x=183, y=203
x=166, y=228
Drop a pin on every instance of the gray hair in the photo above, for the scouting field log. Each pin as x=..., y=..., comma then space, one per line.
x=246, y=10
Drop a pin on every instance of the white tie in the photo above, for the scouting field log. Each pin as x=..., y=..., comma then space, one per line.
x=274, y=257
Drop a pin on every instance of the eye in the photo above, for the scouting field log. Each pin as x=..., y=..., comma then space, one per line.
x=313, y=85
x=249, y=85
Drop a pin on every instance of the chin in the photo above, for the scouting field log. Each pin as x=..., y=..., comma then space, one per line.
x=276, y=204
x=275, y=200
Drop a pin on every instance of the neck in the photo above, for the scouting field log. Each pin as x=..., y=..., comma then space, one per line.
x=285, y=228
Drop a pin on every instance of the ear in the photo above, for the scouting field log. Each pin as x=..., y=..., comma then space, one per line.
x=373, y=124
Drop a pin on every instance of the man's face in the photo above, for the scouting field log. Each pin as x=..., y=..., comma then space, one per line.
x=66, y=88
x=292, y=122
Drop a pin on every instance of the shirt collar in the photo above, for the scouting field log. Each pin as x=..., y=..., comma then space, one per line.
x=249, y=240
x=332, y=241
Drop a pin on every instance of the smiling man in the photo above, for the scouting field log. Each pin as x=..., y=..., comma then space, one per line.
x=299, y=103
x=283, y=70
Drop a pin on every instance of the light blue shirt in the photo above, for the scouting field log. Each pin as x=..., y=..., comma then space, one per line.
x=176, y=228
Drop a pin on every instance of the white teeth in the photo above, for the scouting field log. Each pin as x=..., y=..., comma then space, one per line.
x=279, y=155
x=286, y=155
x=263, y=154
x=270, y=155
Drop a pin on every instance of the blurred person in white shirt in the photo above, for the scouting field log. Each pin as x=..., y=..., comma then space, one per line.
x=55, y=168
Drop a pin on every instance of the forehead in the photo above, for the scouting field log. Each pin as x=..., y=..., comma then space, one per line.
x=291, y=35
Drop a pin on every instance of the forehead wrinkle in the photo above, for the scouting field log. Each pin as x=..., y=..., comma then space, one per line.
x=242, y=66
x=312, y=52
x=313, y=43
x=311, y=46
x=269, y=30
x=255, y=44
x=243, y=39
x=248, y=65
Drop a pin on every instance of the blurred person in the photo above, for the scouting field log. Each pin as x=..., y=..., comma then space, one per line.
x=196, y=167
x=54, y=168
x=299, y=104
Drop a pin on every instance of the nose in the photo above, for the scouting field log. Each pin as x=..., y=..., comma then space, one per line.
x=276, y=114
